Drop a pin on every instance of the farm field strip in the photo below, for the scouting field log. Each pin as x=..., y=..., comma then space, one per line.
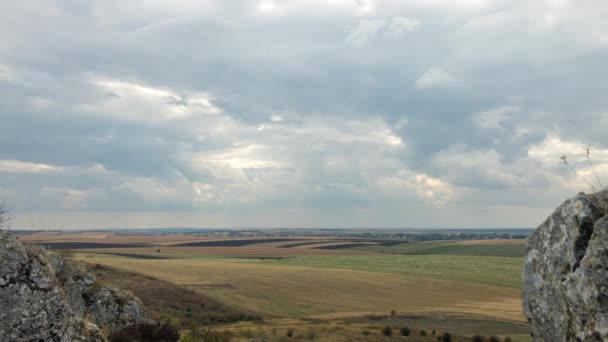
x=504, y=248
x=252, y=250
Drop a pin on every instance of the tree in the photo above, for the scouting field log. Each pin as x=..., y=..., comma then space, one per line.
x=446, y=337
x=477, y=338
x=405, y=331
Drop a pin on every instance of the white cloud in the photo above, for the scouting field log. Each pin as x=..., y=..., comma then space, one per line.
x=429, y=189
x=134, y=101
x=400, y=25
x=434, y=77
x=494, y=118
x=16, y=166
x=364, y=32
x=433, y=189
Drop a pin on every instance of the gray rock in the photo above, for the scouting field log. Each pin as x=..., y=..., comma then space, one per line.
x=44, y=297
x=565, y=276
x=115, y=308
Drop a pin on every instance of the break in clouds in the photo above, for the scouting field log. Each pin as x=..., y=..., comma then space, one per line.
x=335, y=113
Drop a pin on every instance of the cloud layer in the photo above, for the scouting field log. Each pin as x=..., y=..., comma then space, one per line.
x=341, y=113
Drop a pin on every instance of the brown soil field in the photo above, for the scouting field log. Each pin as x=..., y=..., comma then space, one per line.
x=252, y=250
x=231, y=242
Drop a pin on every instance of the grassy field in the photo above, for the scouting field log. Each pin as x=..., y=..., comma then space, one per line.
x=315, y=286
x=338, y=292
x=497, y=271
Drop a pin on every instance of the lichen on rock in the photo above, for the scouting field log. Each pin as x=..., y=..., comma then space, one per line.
x=565, y=276
x=45, y=297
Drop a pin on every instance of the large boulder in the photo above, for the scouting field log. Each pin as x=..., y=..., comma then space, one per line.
x=565, y=276
x=44, y=297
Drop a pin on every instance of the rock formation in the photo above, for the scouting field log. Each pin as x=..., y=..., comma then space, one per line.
x=44, y=297
x=565, y=277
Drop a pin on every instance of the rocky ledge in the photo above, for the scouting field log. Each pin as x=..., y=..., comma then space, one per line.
x=45, y=297
x=565, y=277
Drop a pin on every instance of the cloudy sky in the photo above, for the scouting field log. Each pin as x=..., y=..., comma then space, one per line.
x=299, y=113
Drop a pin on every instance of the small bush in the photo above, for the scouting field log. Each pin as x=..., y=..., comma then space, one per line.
x=365, y=332
x=493, y=339
x=150, y=332
x=393, y=313
x=422, y=332
x=434, y=332
x=405, y=331
x=446, y=337
x=477, y=338
x=387, y=331
x=507, y=339
x=290, y=332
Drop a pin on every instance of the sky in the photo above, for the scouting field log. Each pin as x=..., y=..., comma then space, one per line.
x=299, y=113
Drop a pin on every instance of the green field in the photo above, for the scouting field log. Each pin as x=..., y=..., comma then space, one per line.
x=496, y=271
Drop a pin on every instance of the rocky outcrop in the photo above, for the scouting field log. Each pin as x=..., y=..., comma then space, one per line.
x=565, y=276
x=44, y=297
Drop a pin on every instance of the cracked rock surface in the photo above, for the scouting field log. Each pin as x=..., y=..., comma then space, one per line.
x=44, y=297
x=565, y=276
